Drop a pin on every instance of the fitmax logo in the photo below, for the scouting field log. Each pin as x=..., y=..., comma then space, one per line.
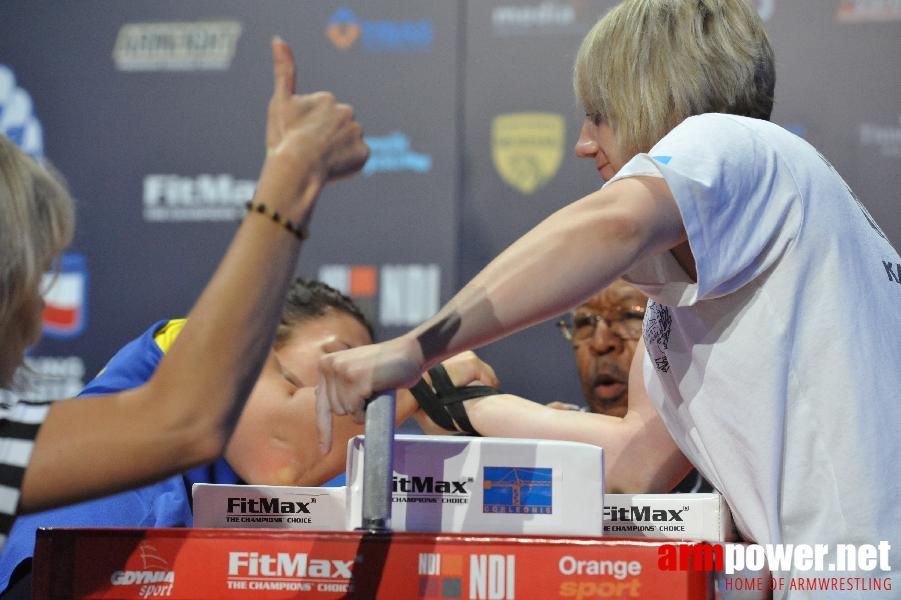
x=266, y=506
x=428, y=485
x=642, y=513
x=173, y=198
x=284, y=564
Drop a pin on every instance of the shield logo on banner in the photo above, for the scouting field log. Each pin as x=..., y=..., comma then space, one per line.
x=65, y=298
x=527, y=148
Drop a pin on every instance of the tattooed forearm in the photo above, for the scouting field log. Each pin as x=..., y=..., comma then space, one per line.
x=435, y=340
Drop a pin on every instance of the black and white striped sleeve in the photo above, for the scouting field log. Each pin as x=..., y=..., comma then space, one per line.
x=20, y=421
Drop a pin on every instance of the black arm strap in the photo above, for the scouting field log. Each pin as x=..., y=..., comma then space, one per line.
x=443, y=401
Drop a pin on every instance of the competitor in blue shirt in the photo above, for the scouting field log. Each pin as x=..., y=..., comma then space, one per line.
x=274, y=442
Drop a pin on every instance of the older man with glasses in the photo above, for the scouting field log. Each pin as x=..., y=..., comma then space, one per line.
x=604, y=332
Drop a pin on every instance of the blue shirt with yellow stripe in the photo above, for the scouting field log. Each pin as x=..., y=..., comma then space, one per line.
x=163, y=504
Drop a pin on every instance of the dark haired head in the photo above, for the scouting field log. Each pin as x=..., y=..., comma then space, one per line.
x=308, y=300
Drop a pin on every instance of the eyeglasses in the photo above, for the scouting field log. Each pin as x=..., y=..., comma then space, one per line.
x=627, y=325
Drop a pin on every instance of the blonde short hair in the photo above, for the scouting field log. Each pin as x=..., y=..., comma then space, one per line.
x=36, y=224
x=647, y=65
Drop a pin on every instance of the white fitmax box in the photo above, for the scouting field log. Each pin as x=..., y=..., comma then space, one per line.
x=269, y=507
x=704, y=517
x=455, y=484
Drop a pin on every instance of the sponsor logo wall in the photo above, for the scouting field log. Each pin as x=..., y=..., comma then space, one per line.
x=156, y=121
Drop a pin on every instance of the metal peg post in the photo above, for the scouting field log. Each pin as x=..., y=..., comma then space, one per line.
x=378, y=462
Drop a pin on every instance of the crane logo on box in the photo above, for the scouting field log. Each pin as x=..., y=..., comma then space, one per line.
x=518, y=490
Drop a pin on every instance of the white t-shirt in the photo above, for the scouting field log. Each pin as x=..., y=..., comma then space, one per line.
x=779, y=372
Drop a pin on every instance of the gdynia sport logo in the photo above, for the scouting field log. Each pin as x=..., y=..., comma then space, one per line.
x=786, y=566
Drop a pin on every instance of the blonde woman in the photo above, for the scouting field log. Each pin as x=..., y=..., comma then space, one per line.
x=771, y=341
x=52, y=454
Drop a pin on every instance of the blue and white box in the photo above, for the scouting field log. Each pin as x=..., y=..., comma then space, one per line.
x=454, y=484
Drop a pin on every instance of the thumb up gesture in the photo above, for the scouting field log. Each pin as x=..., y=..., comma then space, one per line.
x=310, y=139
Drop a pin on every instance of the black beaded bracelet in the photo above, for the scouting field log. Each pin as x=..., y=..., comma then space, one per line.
x=299, y=231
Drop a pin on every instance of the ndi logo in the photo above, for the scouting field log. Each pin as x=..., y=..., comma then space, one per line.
x=440, y=575
x=518, y=490
x=492, y=576
x=344, y=29
x=399, y=295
